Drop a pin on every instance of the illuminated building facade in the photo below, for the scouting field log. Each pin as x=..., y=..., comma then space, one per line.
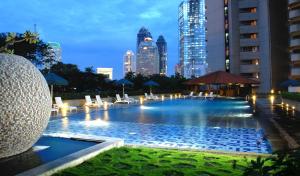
x=128, y=62
x=162, y=53
x=192, y=38
x=147, y=60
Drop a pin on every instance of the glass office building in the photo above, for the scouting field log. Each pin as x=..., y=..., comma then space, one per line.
x=192, y=38
x=162, y=52
x=147, y=61
x=128, y=62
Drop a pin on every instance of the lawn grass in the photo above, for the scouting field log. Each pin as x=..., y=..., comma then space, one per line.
x=155, y=162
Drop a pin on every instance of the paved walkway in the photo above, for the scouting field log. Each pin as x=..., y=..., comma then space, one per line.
x=282, y=127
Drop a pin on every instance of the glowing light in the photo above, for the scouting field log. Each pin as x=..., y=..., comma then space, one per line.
x=95, y=123
x=105, y=105
x=293, y=108
x=65, y=123
x=87, y=117
x=64, y=112
x=272, y=91
x=254, y=99
x=171, y=97
x=272, y=98
x=132, y=133
x=146, y=107
x=162, y=98
x=87, y=109
x=141, y=100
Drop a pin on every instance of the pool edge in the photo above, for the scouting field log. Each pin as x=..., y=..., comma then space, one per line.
x=76, y=158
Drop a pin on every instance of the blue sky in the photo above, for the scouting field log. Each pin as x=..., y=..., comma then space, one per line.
x=95, y=32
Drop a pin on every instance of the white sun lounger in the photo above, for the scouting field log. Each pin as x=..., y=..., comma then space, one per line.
x=99, y=101
x=119, y=100
x=60, y=104
x=131, y=100
x=210, y=95
x=89, y=102
x=153, y=96
x=200, y=95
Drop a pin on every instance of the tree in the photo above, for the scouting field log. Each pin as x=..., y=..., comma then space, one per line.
x=27, y=45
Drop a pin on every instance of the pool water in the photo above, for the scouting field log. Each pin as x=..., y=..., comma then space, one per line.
x=219, y=124
x=45, y=150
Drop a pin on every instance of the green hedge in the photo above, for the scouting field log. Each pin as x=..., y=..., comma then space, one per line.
x=291, y=96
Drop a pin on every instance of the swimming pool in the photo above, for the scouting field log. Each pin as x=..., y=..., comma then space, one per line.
x=219, y=124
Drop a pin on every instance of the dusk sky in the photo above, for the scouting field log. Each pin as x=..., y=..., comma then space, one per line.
x=95, y=32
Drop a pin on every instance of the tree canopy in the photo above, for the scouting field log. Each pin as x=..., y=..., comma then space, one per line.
x=28, y=45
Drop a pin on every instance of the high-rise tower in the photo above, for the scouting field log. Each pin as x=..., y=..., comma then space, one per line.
x=192, y=44
x=162, y=53
x=142, y=34
x=147, y=61
x=294, y=19
x=129, y=63
x=250, y=38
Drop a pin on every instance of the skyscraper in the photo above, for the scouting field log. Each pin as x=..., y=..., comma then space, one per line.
x=142, y=34
x=55, y=54
x=162, y=53
x=147, y=61
x=250, y=38
x=294, y=19
x=129, y=63
x=192, y=44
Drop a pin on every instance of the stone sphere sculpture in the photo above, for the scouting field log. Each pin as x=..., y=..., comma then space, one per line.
x=25, y=104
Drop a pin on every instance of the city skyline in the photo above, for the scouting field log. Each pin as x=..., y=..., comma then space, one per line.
x=102, y=38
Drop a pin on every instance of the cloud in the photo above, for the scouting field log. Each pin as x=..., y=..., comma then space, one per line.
x=92, y=27
x=150, y=14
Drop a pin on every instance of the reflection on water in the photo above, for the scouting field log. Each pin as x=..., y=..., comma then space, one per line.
x=190, y=122
x=94, y=123
x=65, y=123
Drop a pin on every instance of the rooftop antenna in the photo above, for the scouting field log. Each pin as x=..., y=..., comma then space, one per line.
x=34, y=29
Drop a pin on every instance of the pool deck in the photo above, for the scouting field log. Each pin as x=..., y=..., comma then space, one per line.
x=282, y=130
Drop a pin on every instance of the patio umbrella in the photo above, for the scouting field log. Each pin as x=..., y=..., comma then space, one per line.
x=289, y=82
x=150, y=84
x=124, y=82
x=53, y=79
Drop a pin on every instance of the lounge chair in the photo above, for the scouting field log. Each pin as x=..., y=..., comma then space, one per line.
x=54, y=109
x=131, y=100
x=153, y=96
x=210, y=95
x=147, y=97
x=89, y=102
x=119, y=100
x=191, y=94
x=200, y=95
x=99, y=101
x=59, y=104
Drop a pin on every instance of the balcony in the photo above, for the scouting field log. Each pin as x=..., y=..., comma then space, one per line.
x=294, y=28
x=249, y=55
x=249, y=42
x=295, y=57
x=252, y=68
x=295, y=72
x=294, y=13
x=295, y=42
x=248, y=29
x=291, y=2
x=248, y=16
x=247, y=4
